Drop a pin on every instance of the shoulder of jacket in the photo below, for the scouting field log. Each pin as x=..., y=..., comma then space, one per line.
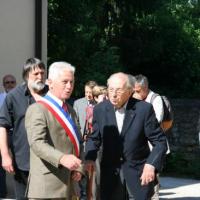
x=17, y=89
x=77, y=101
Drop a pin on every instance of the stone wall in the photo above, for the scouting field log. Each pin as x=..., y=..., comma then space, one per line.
x=184, y=136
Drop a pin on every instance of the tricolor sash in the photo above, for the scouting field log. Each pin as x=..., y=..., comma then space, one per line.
x=64, y=119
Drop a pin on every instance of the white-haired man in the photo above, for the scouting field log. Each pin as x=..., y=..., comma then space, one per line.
x=54, y=138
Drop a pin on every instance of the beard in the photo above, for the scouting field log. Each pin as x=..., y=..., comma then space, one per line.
x=37, y=86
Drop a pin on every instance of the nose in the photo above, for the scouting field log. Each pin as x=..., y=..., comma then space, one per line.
x=114, y=93
x=68, y=85
x=40, y=76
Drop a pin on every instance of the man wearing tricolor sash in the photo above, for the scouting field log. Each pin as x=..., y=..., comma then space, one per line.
x=54, y=138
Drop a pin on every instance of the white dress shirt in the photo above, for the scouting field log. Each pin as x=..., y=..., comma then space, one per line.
x=120, y=114
x=56, y=99
x=157, y=105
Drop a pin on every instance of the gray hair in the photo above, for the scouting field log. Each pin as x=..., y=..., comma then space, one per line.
x=57, y=68
x=121, y=75
x=30, y=65
x=142, y=80
x=132, y=79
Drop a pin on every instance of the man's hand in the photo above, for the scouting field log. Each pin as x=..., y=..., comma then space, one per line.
x=70, y=161
x=76, y=176
x=7, y=163
x=148, y=174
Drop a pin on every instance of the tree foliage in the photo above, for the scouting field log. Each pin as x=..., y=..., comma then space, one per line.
x=158, y=38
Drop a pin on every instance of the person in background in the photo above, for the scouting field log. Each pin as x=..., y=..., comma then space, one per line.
x=80, y=106
x=99, y=93
x=122, y=127
x=142, y=92
x=12, y=115
x=54, y=138
x=9, y=82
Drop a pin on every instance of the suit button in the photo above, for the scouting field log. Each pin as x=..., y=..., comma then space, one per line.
x=121, y=159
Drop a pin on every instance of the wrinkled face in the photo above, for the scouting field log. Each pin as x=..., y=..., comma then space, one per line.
x=118, y=93
x=88, y=93
x=9, y=83
x=62, y=86
x=36, y=79
x=140, y=92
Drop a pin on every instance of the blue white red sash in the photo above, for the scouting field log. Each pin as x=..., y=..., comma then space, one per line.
x=64, y=119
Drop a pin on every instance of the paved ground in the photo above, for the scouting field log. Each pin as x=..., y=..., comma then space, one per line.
x=171, y=188
x=179, y=189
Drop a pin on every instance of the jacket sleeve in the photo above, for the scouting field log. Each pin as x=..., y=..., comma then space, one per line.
x=37, y=132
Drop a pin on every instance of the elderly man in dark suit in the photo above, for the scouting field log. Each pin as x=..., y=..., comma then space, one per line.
x=123, y=126
x=54, y=138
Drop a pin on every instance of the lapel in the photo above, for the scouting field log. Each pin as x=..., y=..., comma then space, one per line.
x=129, y=115
x=110, y=112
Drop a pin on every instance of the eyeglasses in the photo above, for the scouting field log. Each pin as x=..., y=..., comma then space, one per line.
x=117, y=90
x=8, y=82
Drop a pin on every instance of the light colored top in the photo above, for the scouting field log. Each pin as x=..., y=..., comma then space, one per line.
x=157, y=105
x=120, y=114
x=60, y=102
x=2, y=97
x=158, y=109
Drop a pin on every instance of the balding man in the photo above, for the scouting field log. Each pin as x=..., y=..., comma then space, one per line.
x=122, y=126
x=9, y=82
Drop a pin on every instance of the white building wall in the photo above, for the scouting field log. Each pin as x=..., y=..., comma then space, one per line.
x=17, y=35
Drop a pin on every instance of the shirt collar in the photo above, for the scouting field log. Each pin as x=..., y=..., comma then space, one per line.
x=60, y=102
x=26, y=90
x=123, y=108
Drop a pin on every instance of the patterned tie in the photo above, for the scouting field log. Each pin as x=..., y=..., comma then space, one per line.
x=64, y=106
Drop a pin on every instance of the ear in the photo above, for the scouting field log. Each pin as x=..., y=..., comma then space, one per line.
x=49, y=82
x=130, y=92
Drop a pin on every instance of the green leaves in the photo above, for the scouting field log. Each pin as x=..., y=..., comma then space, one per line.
x=99, y=37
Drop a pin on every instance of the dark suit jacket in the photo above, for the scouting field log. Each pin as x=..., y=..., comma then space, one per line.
x=129, y=150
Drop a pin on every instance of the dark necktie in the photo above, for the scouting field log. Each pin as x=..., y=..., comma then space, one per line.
x=64, y=106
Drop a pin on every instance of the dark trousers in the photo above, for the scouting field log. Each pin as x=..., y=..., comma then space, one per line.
x=3, y=189
x=115, y=188
x=20, y=183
